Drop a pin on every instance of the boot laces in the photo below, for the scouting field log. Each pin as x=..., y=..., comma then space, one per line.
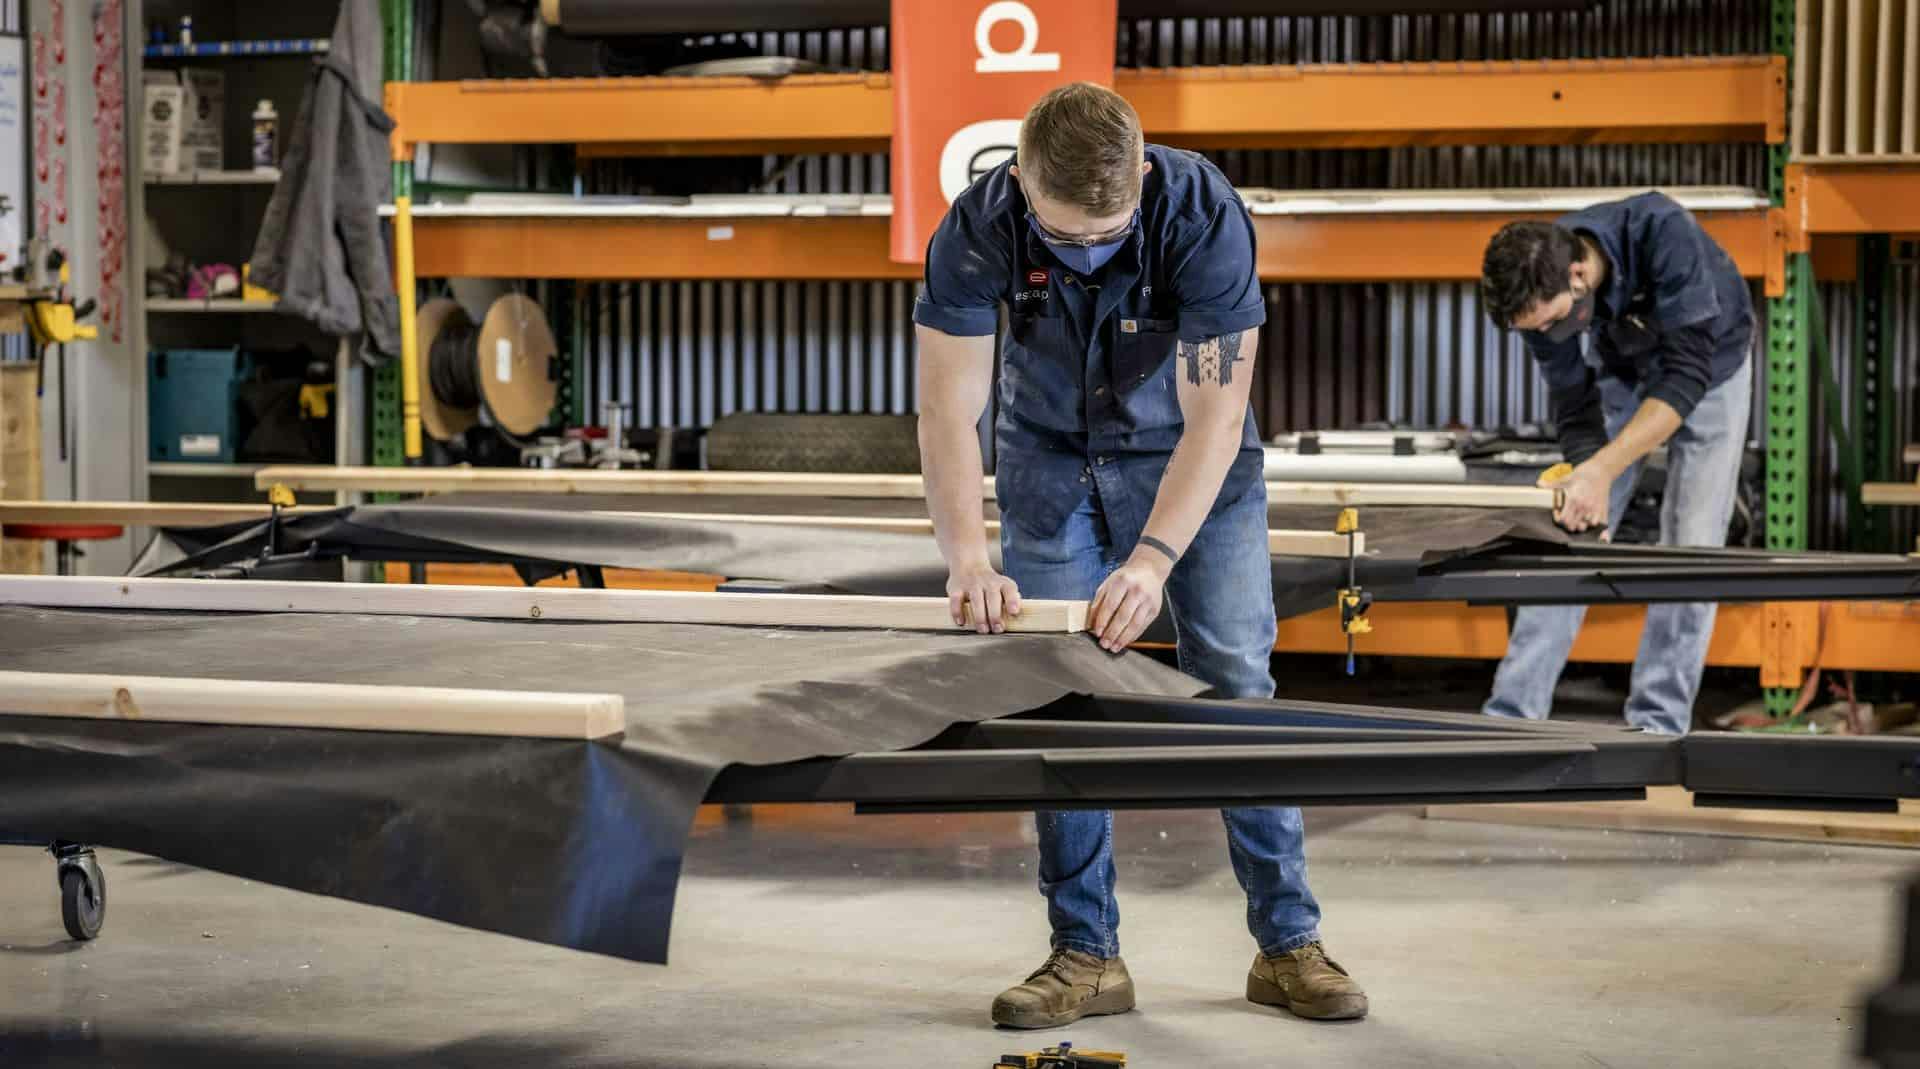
x=1055, y=966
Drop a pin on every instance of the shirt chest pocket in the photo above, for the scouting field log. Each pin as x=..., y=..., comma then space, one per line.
x=1634, y=334
x=1142, y=347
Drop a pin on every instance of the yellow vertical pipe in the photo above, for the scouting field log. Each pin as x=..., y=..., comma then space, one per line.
x=409, y=327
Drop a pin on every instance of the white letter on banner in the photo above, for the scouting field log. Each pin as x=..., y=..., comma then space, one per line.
x=1022, y=58
x=973, y=150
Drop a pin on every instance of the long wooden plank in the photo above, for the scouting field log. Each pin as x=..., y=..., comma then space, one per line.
x=1455, y=495
x=337, y=706
x=781, y=484
x=1671, y=810
x=520, y=603
x=165, y=514
x=566, y=481
x=138, y=513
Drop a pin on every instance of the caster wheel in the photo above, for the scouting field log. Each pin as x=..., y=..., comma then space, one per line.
x=83, y=897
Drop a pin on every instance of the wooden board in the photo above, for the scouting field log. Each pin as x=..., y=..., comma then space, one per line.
x=338, y=706
x=1458, y=495
x=520, y=603
x=1863, y=23
x=1890, y=493
x=138, y=513
x=1830, y=125
x=1889, y=70
x=20, y=470
x=1671, y=810
x=790, y=484
x=1910, y=140
x=1806, y=52
x=531, y=480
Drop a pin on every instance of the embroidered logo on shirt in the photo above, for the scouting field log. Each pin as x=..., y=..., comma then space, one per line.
x=1036, y=278
x=1129, y=326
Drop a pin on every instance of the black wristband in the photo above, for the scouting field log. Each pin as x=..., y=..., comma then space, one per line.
x=1149, y=540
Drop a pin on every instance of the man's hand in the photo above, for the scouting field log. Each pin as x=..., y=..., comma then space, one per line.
x=982, y=598
x=1583, y=498
x=1129, y=600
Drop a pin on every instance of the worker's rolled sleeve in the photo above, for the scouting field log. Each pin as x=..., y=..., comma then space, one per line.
x=1682, y=372
x=1215, y=280
x=1687, y=305
x=1573, y=395
x=969, y=262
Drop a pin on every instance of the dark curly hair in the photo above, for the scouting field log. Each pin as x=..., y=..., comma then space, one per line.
x=1525, y=262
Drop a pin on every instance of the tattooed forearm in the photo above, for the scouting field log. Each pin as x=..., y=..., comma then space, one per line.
x=1211, y=361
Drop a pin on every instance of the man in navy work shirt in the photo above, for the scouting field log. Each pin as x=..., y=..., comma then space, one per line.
x=1669, y=323
x=1128, y=469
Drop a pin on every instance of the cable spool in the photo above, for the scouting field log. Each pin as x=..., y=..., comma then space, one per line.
x=504, y=365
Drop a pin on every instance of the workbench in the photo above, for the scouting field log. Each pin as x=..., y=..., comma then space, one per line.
x=448, y=804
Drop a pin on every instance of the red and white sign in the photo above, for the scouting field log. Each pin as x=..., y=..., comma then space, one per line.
x=964, y=73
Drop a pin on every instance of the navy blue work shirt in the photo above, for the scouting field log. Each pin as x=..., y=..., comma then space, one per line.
x=1674, y=319
x=1087, y=394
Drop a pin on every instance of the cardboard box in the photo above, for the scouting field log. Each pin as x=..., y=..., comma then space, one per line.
x=206, y=107
x=163, y=129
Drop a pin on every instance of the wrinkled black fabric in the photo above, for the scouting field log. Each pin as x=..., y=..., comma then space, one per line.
x=561, y=529
x=573, y=843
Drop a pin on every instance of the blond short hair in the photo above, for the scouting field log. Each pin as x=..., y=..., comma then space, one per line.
x=1081, y=145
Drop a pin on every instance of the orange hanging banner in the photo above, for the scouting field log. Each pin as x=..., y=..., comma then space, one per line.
x=964, y=73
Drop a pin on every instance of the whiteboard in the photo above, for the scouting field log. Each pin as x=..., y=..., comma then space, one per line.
x=14, y=159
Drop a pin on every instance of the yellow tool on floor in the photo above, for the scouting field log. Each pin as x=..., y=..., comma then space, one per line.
x=1063, y=1057
x=1353, y=601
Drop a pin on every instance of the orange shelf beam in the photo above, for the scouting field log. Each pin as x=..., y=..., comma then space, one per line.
x=1725, y=99
x=1349, y=248
x=1781, y=640
x=1856, y=196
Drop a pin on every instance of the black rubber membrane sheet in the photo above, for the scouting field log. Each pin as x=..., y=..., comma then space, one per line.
x=572, y=843
x=627, y=532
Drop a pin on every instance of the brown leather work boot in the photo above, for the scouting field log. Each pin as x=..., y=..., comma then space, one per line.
x=1071, y=985
x=1307, y=983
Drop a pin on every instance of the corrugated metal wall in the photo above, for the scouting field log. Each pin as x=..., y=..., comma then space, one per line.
x=1332, y=355
x=1827, y=504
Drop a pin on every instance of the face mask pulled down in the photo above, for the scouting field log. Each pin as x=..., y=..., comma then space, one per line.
x=1083, y=259
x=1577, y=319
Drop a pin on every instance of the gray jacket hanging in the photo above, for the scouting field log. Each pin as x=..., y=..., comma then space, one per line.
x=322, y=247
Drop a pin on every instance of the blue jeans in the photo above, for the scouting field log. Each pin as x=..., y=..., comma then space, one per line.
x=1703, y=470
x=1221, y=598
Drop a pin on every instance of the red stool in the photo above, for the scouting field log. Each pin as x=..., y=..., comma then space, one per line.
x=63, y=536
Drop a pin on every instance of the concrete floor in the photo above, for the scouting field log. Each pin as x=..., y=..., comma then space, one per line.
x=809, y=937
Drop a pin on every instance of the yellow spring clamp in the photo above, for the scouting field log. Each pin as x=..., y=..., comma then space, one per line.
x=1551, y=480
x=1352, y=600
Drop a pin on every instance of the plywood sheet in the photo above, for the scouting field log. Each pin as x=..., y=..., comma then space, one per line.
x=20, y=474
